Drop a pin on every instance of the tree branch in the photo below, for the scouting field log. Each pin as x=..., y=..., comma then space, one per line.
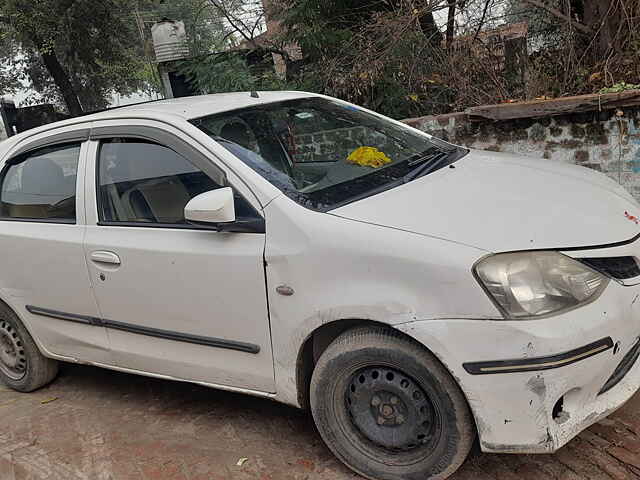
x=557, y=13
x=248, y=32
x=484, y=16
x=451, y=23
x=233, y=21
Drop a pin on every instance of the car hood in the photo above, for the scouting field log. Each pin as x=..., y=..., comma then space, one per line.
x=500, y=202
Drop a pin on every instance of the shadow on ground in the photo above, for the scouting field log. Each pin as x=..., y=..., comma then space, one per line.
x=98, y=424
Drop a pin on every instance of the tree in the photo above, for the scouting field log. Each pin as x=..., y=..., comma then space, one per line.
x=9, y=81
x=365, y=51
x=75, y=51
x=206, y=30
x=322, y=28
x=580, y=46
x=602, y=23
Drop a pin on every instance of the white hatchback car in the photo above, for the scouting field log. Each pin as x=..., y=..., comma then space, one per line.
x=292, y=246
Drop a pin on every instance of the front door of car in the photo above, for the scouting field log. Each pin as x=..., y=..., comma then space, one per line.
x=177, y=300
x=44, y=276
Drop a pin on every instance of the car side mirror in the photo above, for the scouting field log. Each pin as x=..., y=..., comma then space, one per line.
x=215, y=206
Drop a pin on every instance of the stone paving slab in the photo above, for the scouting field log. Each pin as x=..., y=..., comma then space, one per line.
x=93, y=424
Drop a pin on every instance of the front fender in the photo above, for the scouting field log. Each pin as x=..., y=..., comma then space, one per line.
x=336, y=269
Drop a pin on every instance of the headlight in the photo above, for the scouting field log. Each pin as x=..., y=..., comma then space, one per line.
x=532, y=284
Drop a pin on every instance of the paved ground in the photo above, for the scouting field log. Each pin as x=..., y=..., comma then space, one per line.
x=98, y=425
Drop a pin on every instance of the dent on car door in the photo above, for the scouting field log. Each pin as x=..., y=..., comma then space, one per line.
x=177, y=300
x=43, y=275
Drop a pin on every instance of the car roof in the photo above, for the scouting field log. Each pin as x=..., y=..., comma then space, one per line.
x=185, y=107
x=198, y=106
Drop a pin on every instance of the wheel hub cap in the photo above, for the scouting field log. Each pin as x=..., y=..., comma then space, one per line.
x=13, y=361
x=389, y=408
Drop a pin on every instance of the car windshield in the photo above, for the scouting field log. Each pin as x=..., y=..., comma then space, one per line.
x=324, y=153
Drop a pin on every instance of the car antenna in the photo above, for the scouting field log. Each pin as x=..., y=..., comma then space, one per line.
x=254, y=94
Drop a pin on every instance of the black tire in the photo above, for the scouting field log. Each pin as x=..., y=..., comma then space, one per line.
x=420, y=426
x=22, y=366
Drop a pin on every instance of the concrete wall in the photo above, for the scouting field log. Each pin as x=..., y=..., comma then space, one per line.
x=607, y=141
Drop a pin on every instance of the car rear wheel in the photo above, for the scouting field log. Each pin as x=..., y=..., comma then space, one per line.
x=388, y=408
x=22, y=366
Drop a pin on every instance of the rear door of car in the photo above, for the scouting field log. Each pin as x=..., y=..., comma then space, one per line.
x=177, y=300
x=44, y=275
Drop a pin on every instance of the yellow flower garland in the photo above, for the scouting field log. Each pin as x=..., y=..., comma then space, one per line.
x=368, y=157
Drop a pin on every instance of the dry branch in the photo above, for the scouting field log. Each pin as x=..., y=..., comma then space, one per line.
x=557, y=13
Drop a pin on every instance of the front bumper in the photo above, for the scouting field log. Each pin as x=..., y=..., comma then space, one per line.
x=563, y=364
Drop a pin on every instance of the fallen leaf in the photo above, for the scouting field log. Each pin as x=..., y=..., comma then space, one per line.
x=307, y=464
x=48, y=400
x=241, y=461
x=595, y=77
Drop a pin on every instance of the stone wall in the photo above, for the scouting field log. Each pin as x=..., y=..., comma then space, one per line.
x=321, y=146
x=606, y=141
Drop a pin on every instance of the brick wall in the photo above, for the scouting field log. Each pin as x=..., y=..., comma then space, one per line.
x=606, y=141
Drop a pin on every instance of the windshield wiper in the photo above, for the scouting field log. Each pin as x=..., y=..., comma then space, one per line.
x=428, y=164
x=422, y=156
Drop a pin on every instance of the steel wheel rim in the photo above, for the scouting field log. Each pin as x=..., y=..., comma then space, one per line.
x=13, y=359
x=391, y=410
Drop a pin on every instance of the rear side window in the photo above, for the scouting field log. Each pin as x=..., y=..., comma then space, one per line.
x=147, y=183
x=41, y=185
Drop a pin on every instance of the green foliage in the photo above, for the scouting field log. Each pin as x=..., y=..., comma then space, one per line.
x=228, y=72
x=205, y=30
x=620, y=87
x=321, y=28
x=9, y=81
x=97, y=47
x=369, y=52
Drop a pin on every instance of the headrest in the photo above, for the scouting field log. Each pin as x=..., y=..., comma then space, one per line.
x=237, y=133
x=43, y=176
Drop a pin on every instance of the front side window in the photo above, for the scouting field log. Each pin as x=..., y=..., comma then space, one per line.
x=323, y=153
x=147, y=183
x=41, y=185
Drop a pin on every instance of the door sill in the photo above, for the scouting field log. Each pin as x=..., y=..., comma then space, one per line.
x=217, y=386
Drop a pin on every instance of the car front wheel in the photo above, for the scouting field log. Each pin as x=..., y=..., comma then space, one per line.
x=388, y=408
x=22, y=366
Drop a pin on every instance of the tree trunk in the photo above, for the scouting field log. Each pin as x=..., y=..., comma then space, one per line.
x=63, y=83
x=451, y=19
x=603, y=19
x=428, y=24
x=597, y=21
x=59, y=75
x=430, y=29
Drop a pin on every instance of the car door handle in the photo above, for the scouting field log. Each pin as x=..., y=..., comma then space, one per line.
x=102, y=256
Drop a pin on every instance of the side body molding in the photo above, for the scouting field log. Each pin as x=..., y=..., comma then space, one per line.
x=151, y=332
